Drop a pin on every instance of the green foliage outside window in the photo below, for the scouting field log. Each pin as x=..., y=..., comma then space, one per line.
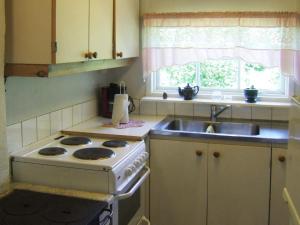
x=221, y=74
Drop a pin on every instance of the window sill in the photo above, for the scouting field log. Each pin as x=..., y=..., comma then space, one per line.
x=219, y=102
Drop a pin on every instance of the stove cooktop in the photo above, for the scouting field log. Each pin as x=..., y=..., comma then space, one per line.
x=76, y=141
x=52, y=151
x=56, y=152
x=93, y=153
x=32, y=208
x=115, y=143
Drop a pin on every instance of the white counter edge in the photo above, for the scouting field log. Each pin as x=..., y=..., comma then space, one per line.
x=292, y=209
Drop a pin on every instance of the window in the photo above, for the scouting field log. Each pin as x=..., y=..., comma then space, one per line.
x=226, y=51
x=226, y=75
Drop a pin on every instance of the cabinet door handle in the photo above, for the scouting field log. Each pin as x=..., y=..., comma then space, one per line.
x=199, y=153
x=281, y=158
x=88, y=55
x=216, y=154
x=120, y=54
x=95, y=55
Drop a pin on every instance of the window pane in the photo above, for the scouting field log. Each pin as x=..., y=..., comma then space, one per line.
x=233, y=75
x=219, y=74
x=177, y=76
x=262, y=78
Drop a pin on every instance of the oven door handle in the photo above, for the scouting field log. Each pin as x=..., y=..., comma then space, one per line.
x=137, y=185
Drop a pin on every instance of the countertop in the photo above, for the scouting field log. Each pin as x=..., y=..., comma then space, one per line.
x=272, y=132
x=58, y=191
x=94, y=128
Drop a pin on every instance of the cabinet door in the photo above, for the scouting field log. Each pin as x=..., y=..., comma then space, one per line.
x=238, y=185
x=72, y=30
x=28, y=31
x=278, y=208
x=178, y=183
x=126, y=28
x=101, y=28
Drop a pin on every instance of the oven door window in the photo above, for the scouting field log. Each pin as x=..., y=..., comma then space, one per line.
x=129, y=207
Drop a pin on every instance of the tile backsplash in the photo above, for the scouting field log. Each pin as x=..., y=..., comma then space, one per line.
x=29, y=131
x=203, y=110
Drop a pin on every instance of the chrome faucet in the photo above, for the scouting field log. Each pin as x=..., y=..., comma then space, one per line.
x=215, y=111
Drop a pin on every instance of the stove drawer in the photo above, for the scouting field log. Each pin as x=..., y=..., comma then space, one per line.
x=60, y=177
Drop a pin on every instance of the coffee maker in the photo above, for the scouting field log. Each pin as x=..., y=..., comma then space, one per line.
x=107, y=99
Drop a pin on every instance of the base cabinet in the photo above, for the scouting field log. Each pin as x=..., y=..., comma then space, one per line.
x=238, y=185
x=178, y=183
x=279, y=214
x=209, y=184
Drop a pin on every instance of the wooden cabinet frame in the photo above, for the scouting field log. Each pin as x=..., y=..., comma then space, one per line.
x=47, y=64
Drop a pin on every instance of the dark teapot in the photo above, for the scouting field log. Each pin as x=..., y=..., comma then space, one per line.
x=188, y=92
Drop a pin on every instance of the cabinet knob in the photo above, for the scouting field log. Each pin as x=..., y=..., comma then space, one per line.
x=120, y=54
x=199, y=153
x=88, y=55
x=41, y=73
x=281, y=158
x=95, y=55
x=216, y=154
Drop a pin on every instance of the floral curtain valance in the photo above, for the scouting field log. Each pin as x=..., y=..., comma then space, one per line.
x=271, y=39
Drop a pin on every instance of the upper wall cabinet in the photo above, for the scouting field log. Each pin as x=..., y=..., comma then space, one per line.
x=126, y=28
x=48, y=32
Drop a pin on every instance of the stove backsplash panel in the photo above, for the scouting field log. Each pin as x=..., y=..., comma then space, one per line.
x=34, y=129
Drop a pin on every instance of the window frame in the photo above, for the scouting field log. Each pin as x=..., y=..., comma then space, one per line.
x=154, y=90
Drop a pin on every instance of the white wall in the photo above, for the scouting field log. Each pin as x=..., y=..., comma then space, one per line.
x=217, y=5
x=4, y=167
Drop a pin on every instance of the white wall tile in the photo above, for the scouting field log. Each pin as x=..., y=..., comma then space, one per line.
x=56, y=121
x=241, y=112
x=148, y=108
x=94, y=107
x=165, y=108
x=184, y=109
x=261, y=113
x=43, y=126
x=67, y=117
x=202, y=110
x=77, y=113
x=29, y=131
x=137, y=106
x=280, y=114
x=89, y=109
x=85, y=111
x=14, y=137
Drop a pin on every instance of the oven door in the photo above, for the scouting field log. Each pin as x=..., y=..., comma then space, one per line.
x=130, y=204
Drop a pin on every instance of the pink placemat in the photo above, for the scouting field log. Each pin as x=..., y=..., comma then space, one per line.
x=131, y=123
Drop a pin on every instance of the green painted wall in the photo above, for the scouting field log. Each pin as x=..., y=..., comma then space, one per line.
x=217, y=5
x=29, y=97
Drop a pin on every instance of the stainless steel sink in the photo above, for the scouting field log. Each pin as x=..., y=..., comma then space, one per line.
x=236, y=128
x=185, y=125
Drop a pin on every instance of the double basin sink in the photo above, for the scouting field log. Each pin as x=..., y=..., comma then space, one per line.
x=227, y=128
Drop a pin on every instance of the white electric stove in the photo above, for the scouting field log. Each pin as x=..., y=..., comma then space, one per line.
x=81, y=163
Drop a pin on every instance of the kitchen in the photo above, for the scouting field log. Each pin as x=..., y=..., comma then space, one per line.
x=32, y=98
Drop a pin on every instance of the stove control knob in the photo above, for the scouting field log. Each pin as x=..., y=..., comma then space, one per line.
x=133, y=167
x=137, y=163
x=140, y=160
x=145, y=156
x=129, y=171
